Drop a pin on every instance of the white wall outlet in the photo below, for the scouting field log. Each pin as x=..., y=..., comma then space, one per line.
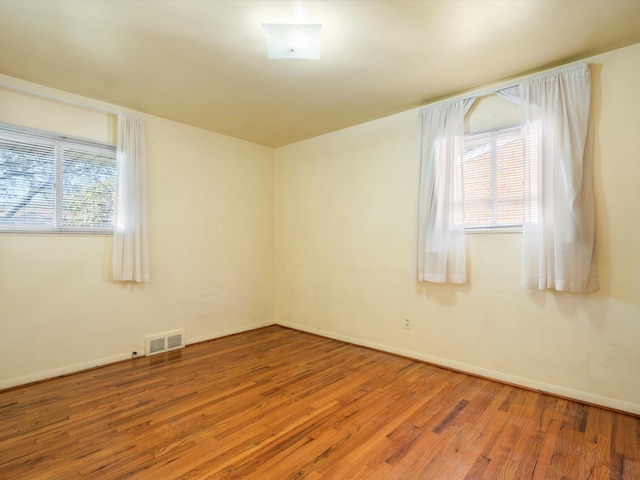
x=407, y=324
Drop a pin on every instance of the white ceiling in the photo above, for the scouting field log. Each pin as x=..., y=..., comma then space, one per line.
x=204, y=63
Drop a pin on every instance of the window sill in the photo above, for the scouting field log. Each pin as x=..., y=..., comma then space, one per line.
x=64, y=233
x=493, y=230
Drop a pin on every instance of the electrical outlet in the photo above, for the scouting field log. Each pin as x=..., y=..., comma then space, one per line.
x=407, y=324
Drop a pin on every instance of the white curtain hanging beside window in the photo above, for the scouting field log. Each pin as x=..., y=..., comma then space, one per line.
x=558, y=224
x=130, y=251
x=439, y=253
x=558, y=227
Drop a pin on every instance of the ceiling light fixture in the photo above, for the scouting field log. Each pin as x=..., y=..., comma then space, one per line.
x=292, y=40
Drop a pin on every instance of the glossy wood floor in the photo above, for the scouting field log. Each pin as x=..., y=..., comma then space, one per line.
x=276, y=404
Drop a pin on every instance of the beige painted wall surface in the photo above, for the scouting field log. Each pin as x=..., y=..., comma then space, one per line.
x=211, y=250
x=344, y=223
x=343, y=228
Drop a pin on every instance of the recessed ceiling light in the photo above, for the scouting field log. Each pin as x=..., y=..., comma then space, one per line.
x=292, y=40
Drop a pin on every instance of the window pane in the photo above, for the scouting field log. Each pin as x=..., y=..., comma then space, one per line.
x=477, y=184
x=510, y=178
x=89, y=188
x=493, y=179
x=27, y=182
x=532, y=147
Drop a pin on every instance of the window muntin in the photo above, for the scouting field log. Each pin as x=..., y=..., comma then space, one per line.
x=51, y=183
x=493, y=179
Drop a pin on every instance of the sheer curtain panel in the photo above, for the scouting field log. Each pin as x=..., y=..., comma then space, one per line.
x=130, y=251
x=439, y=253
x=558, y=227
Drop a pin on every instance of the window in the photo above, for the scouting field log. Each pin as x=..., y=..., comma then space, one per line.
x=493, y=179
x=52, y=183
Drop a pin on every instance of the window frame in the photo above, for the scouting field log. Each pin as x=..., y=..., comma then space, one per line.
x=493, y=228
x=60, y=142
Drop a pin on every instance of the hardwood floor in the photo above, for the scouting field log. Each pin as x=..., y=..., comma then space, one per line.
x=278, y=404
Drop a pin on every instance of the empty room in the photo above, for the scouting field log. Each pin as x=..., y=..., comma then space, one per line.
x=332, y=239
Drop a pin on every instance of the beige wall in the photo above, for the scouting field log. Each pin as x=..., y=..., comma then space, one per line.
x=211, y=251
x=344, y=221
x=343, y=227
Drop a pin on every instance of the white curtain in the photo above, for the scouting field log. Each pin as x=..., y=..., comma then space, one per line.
x=130, y=252
x=558, y=227
x=439, y=253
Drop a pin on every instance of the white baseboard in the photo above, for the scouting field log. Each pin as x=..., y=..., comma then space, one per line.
x=483, y=372
x=224, y=333
x=56, y=372
x=99, y=362
x=463, y=367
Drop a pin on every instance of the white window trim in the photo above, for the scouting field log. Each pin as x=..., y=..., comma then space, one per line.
x=60, y=140
x=501, y=229
x=485, y=229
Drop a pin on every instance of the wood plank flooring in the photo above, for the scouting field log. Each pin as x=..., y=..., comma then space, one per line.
x=276, y=403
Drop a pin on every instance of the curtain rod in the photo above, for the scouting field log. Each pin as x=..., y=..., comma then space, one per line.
x=492, y=90
x=58, y=99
